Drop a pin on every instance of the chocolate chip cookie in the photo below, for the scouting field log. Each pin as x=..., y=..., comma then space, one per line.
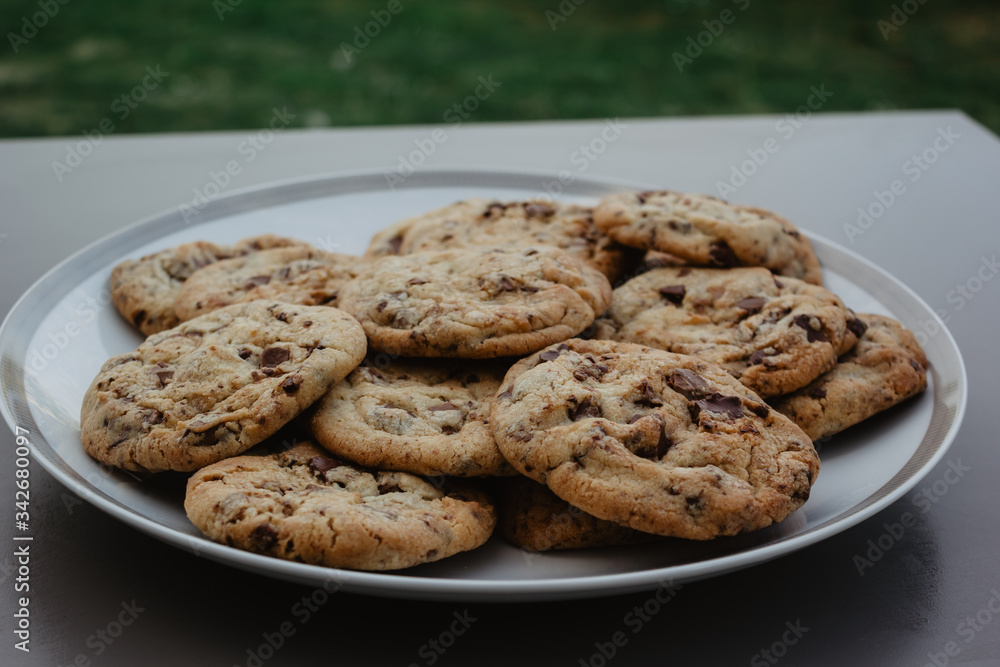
x=428, y=418
x=707, y=231
x=216, y=385
x=302, y=275
x=306, y=506
x=534, y=518
x=774, y=334
x=144, y=290
x=660, y=442
x=886, y=367
x=477, y=222
x=475, y=302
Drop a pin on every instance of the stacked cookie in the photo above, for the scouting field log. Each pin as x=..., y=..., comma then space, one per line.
x=484, y=340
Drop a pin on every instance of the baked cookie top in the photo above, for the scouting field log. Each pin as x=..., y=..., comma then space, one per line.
x=773, y=334
x=660, y=442
x=144, y=290
x=476, y=222
x=301, y=274
x=216, y=385
x=534, y=518
x=708, y=231
x=475, y=302
x=307, y=506
x=428, y=418
x=886, y=367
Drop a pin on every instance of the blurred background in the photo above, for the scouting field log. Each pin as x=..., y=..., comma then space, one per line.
x=67, y=66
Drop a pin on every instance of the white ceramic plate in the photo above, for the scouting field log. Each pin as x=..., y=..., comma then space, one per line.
x=60, y=332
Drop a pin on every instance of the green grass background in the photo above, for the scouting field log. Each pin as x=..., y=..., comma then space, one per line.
x=606, y=59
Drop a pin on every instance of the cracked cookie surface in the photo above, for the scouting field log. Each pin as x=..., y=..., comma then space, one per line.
x=307, y=506
x=216, y=385
x=660, y=442
x=477, y=302
x=774, y=334
x=476, y=222
x=427, y=418
x=886, y=367
x=144, y=290
x=302, y=275
x=707, y=231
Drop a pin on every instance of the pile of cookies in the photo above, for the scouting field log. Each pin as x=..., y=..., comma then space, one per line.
x=478, y=354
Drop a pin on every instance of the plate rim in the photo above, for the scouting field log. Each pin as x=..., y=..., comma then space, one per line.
x=16, y=411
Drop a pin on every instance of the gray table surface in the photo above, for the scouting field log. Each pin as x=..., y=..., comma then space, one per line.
x=920, y=601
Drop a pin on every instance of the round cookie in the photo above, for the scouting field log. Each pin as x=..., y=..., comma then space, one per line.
x=427, y=418
x=144, y=290
x=774, y=335
x=305, y=506
x=708, y=231
x=534, y=518
x=660, y=442
x=886, y=367
x=302, y=275
x=477, y=222
x=216, y=385
x=478, y=302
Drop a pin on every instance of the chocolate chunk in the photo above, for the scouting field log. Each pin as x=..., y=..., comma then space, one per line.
x=417, y=281
x=643, y=196
x=917, y=367
x=322, y=463
x=817, y=392
x=139, y=318
x=536, y=210
x=257, y=280
x=688, y=383
x=580, y=374
x=273, y=356
x=683, y=272
x=263, y=537
x=663, y=445
x=857, y=327
x=380, y=306
x=757, y=357
x=505, y=395
x=585, y=410
x=389, y=487
x=395, y=243
x=682, y=226
x=693, y=504
x=290, y=385
x=727, y=405
x=549, y=355
x=649, y=399
x=761, y=411
x=674, y=294
x=722, y=255
x=634, y=418
x=397, y=295
x=245, y=353
x=442, y=406
x=163, y=376
x=812, y=335
x=495, y=207
x=507, y=284
x=752, y=304
x=152, y=417
x=307, y=323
